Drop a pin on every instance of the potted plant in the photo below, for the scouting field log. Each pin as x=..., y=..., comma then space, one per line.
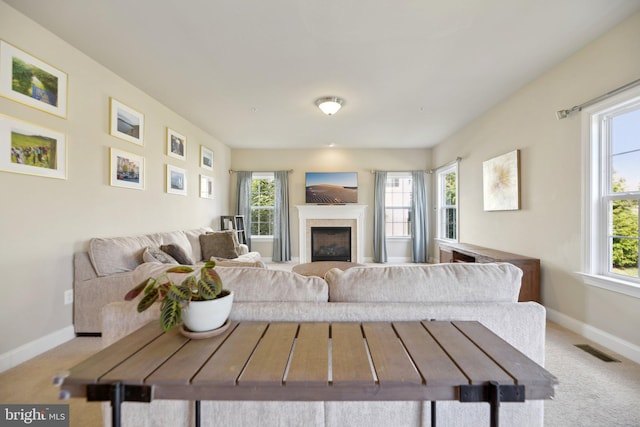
x=201, y=303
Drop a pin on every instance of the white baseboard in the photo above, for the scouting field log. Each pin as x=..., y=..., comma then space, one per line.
x=34, y=348
x=612, y=342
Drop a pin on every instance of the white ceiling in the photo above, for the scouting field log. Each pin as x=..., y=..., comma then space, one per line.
x=412, y=72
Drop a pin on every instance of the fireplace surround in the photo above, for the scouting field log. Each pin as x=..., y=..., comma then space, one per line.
x=349, y=215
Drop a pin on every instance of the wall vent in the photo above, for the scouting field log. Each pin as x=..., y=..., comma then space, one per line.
x=596, y=353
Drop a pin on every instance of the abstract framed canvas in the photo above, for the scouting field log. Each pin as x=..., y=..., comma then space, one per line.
x=126, y=169
x=501, y=182
x=126, y=123
x=206, y=187
x=206, y=158
x=176, y=180
x=31, y=149
x=176, y=145
x=30, y=81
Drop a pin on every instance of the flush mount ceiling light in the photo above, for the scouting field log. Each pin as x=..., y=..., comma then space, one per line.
x=329, y=104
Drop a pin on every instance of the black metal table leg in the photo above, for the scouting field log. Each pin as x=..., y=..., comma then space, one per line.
x=494, y=402
x=117, y=393
x=198, y=413
x=433, y=413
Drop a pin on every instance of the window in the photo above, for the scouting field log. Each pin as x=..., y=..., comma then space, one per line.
x=262, y=201
x=398, y=204
x=612, y=133
x=447, y=220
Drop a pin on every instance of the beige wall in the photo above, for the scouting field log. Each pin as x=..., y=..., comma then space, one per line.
x=44, y=221
x=549, y=224
x=331, y=160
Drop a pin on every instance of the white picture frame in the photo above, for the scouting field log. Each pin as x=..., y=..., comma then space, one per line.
x=30, y=149
x=176, y=180
x=126, y=169
x=43, y=87
x=125, y=122
x=206, y=187
x=206, y=158
x=176, y=145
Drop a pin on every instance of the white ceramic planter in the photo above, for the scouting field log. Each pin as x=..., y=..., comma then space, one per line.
x=201, y=316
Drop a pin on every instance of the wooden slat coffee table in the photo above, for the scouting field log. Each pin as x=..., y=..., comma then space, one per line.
x=282, y=361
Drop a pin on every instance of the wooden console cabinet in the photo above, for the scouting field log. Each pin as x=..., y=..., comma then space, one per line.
x=463, y=252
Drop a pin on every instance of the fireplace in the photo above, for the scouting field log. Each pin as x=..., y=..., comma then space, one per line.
x=330, y=243
x=350, y=216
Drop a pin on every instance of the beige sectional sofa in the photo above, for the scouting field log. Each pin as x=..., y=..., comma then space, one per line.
x=484, y=292
x=104, y=273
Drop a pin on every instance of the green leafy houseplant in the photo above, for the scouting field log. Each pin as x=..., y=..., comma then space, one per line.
x=174, y=297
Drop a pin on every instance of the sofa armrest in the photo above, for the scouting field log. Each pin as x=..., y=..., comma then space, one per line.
x=121, y=318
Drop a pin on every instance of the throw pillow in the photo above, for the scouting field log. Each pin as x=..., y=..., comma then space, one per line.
x=178, y=253
x=219, y=244
x=152, y=254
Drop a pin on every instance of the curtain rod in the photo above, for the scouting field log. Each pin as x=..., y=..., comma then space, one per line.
x=233, y=171
x=561, y=114
x=376, y=170
x=457, y=160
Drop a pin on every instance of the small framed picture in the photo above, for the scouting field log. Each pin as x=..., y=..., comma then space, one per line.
x=30, y=81
x=31, y=149
x=176, y=145
x=126, y=123
x=176, y=180
x=126, y=170
x=206, y=158
x=206, y=187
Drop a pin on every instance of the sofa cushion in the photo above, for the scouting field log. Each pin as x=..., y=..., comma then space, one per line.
x=179, y=253
x=219, y=244
x=193, y=236
x=118, y=254
x=152, y=254
x=459, y=282
x=251, y=284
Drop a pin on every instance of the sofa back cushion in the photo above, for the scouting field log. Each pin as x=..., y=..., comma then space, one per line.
x=459, y=282
x=113, y=255
x=259, y=284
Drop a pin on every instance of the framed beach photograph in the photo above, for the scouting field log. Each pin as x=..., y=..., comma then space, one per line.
x=176, y=145
x=501, y=182
x=176, y=180
x=126, y=123
x=206, y=187
x=31, y=149
x=206, y=158
x=30, y=81
x=126, y=169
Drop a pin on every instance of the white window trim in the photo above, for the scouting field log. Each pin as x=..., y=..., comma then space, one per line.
x=404, y=175
x=593, y=258
x=262, y=175
x=439, y=205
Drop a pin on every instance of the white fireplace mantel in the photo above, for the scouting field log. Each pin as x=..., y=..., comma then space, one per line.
x=352, y=213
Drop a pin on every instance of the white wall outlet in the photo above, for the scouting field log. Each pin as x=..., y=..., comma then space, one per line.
x=68, y=296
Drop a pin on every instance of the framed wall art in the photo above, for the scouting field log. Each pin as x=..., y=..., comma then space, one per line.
x=501, y=182
x=30, y=149
x=206, y=187
x=206, y=158
x=126, y=169
x=176, y=180
x=176, y=145
x=30, y=81
x=126, y=123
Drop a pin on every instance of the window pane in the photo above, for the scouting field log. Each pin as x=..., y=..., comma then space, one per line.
x=450, y=223
x=262, y=201
x=450, y=189
x=624, y=240
x=625, y=151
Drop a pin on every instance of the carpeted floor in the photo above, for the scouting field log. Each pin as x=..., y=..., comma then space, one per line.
x=591, y=392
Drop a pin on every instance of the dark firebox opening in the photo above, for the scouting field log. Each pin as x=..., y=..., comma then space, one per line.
x=330, y=243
